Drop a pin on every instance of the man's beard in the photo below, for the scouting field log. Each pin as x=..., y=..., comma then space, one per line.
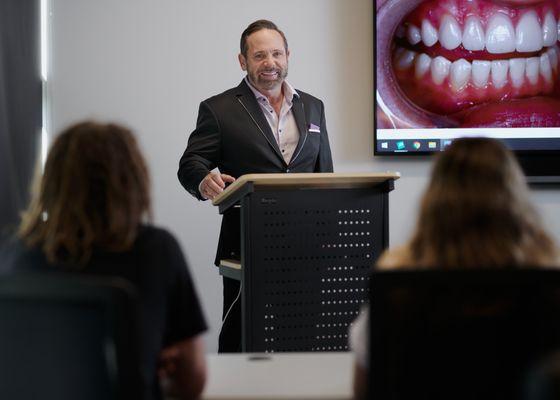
x=258, y=81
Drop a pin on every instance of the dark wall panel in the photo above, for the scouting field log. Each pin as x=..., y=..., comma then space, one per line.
x=20, y=104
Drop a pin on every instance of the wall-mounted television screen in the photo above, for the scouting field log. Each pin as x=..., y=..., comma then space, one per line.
x=454, y=68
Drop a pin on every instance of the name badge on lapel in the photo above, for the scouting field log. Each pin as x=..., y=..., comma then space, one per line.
x=314, y=128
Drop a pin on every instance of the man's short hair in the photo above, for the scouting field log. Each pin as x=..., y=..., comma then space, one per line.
x=255, y=27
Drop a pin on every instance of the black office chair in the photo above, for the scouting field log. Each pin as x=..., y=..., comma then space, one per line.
x=543, y=381
x=67, y=337
x=460, y=335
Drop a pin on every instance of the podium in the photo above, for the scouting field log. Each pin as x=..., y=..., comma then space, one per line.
x=308, y=242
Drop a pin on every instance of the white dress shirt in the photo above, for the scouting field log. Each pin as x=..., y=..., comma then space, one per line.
x=283, y=126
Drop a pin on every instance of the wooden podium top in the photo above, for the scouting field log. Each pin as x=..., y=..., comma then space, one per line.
x=310, y=180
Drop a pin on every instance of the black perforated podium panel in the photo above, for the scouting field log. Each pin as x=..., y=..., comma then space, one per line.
x=306, y=264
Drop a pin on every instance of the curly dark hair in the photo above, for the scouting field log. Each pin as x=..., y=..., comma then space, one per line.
x=94, y=192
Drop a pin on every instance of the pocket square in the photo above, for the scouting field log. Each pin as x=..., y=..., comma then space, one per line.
x=314, y=128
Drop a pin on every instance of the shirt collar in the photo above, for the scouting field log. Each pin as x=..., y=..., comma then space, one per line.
x=287, y=89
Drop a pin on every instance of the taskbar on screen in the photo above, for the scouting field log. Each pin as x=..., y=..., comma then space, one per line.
x=425, y=144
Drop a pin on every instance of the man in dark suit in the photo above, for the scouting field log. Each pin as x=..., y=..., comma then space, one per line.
x=262, y=126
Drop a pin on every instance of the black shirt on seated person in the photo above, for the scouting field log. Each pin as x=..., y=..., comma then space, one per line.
x=170, y=310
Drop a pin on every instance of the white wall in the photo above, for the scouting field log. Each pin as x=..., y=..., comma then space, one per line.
x=148, y=64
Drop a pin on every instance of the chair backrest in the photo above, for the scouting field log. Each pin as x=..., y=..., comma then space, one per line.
x=543, y=381
x=460, y=334
x=67, y=337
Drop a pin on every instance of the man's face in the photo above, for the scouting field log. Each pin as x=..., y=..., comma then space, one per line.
x=267, y=60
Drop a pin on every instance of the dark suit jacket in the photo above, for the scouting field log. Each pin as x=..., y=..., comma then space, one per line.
x=233, y=134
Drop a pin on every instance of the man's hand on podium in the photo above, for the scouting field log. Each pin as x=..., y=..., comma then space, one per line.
x=213, y=184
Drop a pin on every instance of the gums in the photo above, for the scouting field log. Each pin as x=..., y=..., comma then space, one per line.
x=503, y=73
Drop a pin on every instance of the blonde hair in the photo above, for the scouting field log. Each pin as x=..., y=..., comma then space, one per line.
x=476, y=212
x=94, y=193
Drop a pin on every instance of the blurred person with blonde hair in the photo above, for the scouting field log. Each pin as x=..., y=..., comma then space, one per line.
x=475, y=213
x=89, y=215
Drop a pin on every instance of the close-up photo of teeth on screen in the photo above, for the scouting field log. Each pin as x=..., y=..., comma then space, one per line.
x=452, y=68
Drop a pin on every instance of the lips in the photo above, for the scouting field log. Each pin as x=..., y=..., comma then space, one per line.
x=271, y=74
x=443, y=59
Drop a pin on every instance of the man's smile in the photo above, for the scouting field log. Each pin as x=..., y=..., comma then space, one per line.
x=270, y=74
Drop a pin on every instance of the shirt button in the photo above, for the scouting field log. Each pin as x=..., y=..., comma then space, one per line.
x=287, y=170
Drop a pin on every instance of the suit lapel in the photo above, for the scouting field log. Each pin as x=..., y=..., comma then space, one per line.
x=299, y=115
x=247, y=99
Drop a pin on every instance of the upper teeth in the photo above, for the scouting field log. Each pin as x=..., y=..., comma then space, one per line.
x=473, y=36
x=500, y=36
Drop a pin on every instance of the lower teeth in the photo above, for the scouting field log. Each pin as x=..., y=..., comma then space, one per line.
x=481, y=73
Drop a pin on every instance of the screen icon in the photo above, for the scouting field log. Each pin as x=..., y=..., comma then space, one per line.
x=417, y=145
x=400, y=145
x=446, y=143
x=432, y=145
x=384, y=145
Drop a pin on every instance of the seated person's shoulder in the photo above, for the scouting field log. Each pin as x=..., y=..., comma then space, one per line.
x=158, y=245
x=153, y=235
x=395, y=258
